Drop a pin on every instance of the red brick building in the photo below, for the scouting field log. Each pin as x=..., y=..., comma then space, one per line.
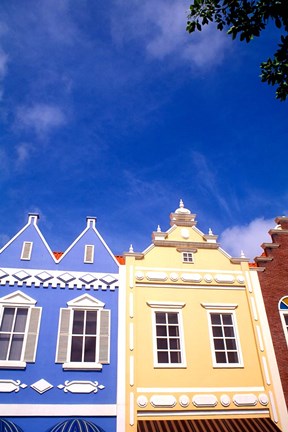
x=273, y=276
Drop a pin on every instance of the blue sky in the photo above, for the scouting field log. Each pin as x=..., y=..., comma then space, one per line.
x=111, y=109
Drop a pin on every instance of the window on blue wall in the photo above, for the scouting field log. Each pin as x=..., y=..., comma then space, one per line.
x=84, y=334
x=19, y=328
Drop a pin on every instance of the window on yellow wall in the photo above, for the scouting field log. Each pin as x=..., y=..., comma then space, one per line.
x=168, y=338
x=224, y=338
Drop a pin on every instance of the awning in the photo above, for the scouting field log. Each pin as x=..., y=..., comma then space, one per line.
x=209, y=425
x=8, y=426
x=75, y=425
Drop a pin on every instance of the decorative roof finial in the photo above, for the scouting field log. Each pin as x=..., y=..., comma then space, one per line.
x=210, y=231
x=182, y=209
x=242, y=255
x=131, y=250
x=158, y=228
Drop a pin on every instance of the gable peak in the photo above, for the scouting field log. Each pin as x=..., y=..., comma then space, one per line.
x=91, y=221
x=33, y=218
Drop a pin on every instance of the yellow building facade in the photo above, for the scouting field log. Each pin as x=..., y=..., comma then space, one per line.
x=198, y=353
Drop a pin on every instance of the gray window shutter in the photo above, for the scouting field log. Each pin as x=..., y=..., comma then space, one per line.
x=32, y=335
x=26, y=250
x=104, y=346
x=63, y=335
x=89, y=254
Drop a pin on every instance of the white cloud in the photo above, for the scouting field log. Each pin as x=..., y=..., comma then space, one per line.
x=42, y=118
x=247, y=237
x=23, y=152
x=161, y=26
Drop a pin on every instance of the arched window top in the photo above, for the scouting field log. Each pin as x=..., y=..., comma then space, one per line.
x=283, y=304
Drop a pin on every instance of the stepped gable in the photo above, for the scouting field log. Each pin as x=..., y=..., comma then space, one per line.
x=89, y=252
x=28, y=248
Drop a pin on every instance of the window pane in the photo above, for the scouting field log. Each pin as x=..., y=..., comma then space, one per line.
x=20, y=322
x=91, y=322
x=173, y=331
x=175, y=357
x=215, y=319
x=90, y=349
x=78, y=322
x=161, y=331
x=227, y=319
x=160, y=317
x=220, y=357
x=231, y=344
x=162, y=357
x=173, y=318
x=232, y=357
x=4, y=342
x=174, y=343
x=7, y=319
x=286, y=318
x=229, y=331
x=162, y=343
x=217, y=331
x=76, y=349
x=16, y=347
x=219, y=344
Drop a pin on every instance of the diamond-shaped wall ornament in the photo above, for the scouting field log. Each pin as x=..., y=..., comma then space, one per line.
x=108, y=279
x=3, y=274
x=66, y=277
x=41, y=386
x=101, y=387
x=88, y=278
x=44, y=276
x=21, y=275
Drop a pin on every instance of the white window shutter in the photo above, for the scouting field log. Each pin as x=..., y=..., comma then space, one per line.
x=26, y=250
x=32, y=335
x=63, y=335
x=104, y=346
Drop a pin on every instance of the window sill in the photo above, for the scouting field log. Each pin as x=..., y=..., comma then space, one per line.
x=82, y=366
x=12, y=364
x=170, y=365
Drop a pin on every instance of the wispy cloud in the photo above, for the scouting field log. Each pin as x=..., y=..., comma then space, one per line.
x=247, y=238
x=160, y=26
x=41, y=118
x=207, y=180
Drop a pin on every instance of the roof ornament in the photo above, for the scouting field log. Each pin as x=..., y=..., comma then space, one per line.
x=182, y=209
x=242, y=254
x=158, y=228
x=131, y=250
x=210, y=232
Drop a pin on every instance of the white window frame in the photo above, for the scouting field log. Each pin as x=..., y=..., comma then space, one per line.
x=284, y=312
x=168, y=307
x=84, y=303
x=91, y=260
x=20, y=300
x=223, y=309
x=187, y=257
x=26, y=245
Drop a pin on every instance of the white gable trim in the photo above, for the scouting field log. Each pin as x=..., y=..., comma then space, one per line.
x=18, y=297
x=86, y=301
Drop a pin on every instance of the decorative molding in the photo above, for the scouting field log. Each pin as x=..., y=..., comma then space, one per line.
x=174, y=277
x=225, y=400
x=245, y=400
x=142, y=401
x=156, y=276
x=163, y=401
x=9, y=386
x=208, y=278
x=41, y=386
x=184, y=401
x=224, y=278
x=263, y=399
x=81, y=387
x=165, y=305
x=222, y=306
x=59, y=279
x=191, y=277
x=205, y=400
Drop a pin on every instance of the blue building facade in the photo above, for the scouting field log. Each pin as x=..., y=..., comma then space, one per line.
x=58, y=333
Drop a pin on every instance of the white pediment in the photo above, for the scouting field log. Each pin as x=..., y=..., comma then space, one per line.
x=85, y=301
x=17, y=297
